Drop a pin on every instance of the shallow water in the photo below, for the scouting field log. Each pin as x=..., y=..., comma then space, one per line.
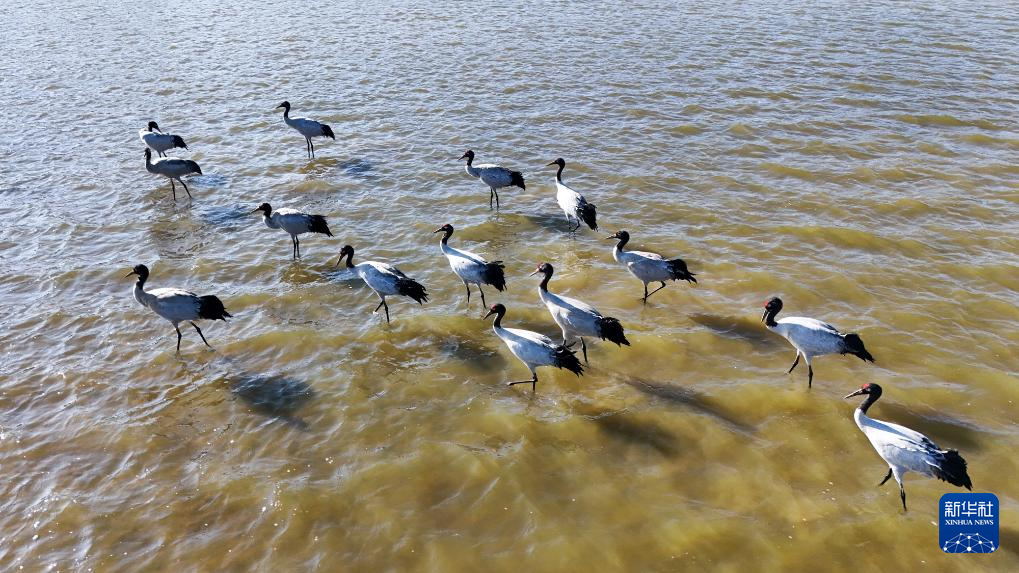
x=859, y=161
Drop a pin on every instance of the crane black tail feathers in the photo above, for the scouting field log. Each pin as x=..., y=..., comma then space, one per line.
x=211, y=308
x=854, y=346
x=411, y=288
x=587, y=213
x=517, y=179
x=318, y=225
x=493, y=275
x=328, y=132
x=566, y=358
x=611, y=330
x=679, y=271
x=953, y=470
x=178, y=141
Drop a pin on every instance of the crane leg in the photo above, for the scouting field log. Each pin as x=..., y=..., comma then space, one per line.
x=483, y=303
x=646, y=294
x=902, y=494
x=496, y=193
x=382, y=305
x=297, y=243
x=312, y=144
x=186, y=188
x=179, y=336
x=810, y=375
x=795, y=362
x=173, y=189
x=202, y=335
x=468, y=287
x=533, y=381
x=887, y=477
x=491, y=196
x=583, y=346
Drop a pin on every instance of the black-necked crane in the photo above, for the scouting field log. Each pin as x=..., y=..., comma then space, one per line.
x=173, y=169
x=158, y=141
x=906, y=450
x=649, y=267
x=385, y=280
x=309, y=128
x=470, y=267
x=294, y=222
x=533, y=349
x=811, y=337
x=494, y=176
x=573, y=204
x=577, y=319
x=177, y=305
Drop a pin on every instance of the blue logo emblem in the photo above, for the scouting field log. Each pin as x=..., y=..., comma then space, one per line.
x=968, y=523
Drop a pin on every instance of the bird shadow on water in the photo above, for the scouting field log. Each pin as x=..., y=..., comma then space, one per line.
x=689, y=399
x=272, y=395
x=738, y=328
x=232, y=216
x=631, y=429
x=358, y=168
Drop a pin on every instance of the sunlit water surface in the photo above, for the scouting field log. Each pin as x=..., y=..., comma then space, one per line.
x=860, y=161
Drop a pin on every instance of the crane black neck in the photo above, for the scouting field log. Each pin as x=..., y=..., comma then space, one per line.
x=559, y=173
x=769, y=318
x=871, y=398
x=141, y=281
x=498, y=319
x=445, y=236
x=544, y=282
x=622, y=242
x=350, y=262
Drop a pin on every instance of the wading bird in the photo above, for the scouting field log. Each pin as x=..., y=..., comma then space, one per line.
x=172, y=168
x=471, y=268
x=575, y=318
x=385, y=280
x=494, y=176
x=307, y=127
x=158, y=141
x=811, y=337
x=573, y=203
x=649, y=267
x=293, y=222
x=905, y=450
x=533, y=349
x=177, y=305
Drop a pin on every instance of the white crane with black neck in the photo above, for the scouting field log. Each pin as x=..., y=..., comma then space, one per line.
x=577, y=319
x=573, y=204
x=471, y=268
x=494, y=176
x=385, y=280
x=158, y=141
x=649, y=267
x=173, y=169
x=533, y=349
x=177, y=305
x=294, y=222
x=906, y=450
x=309, y=128
x=811, y=337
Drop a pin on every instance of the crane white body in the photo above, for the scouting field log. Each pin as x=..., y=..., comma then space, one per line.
x=385, y=280
x=649, y=267
x=177, y=305
x=495, y=176
x=294, y=223
x=158, y=141
x=308, y=128
x=470, y=267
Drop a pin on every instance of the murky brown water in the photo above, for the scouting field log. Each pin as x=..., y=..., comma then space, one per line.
x=861, y=162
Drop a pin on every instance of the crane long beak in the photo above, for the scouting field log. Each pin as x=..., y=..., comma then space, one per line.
x=534, y=273
x=765, y=316
x=490, y=313
x=611, y=237
x=338, y=261
x=857, y=393
x=255, y=210
x=462, y=156
x=437, y=231
x=551, y=164
x=129, y=274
